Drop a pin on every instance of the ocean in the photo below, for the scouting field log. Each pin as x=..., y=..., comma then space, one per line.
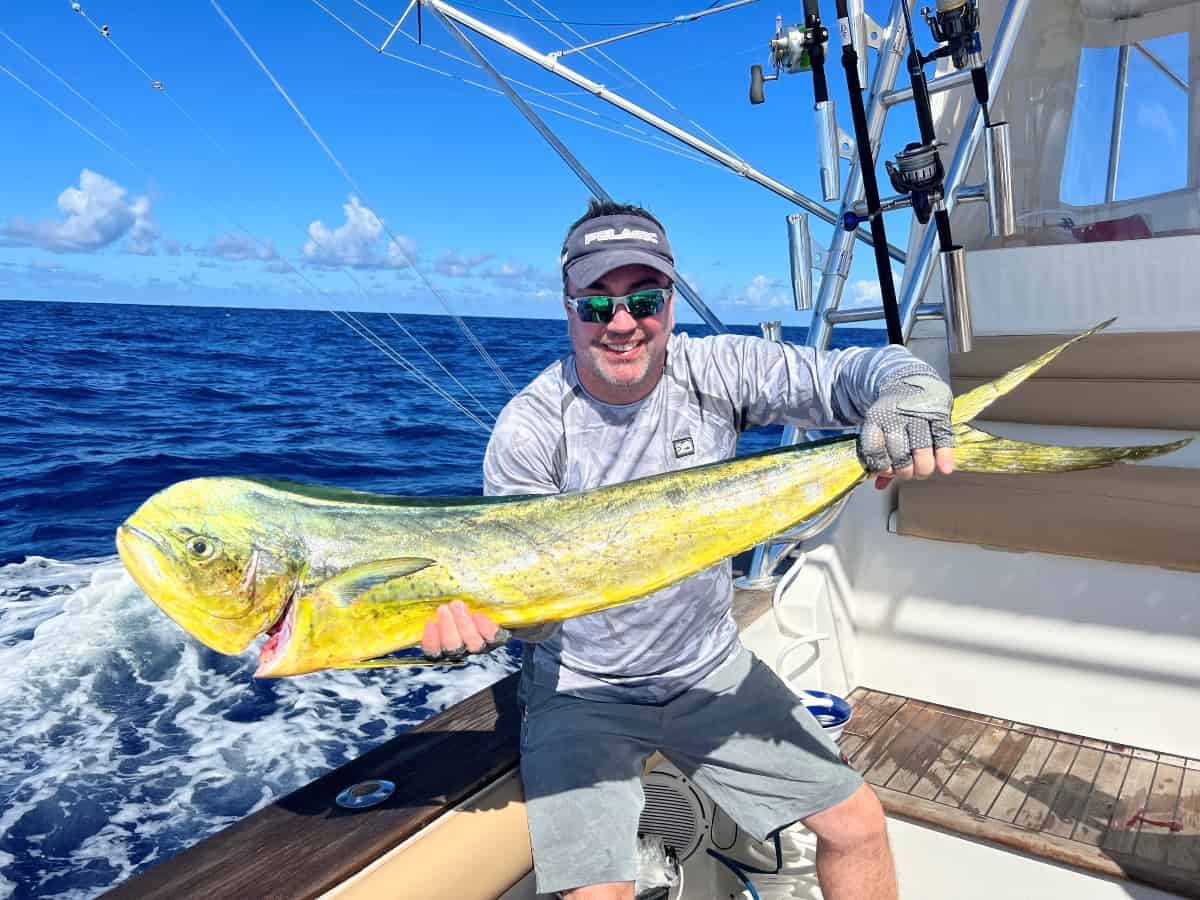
x=123, y=740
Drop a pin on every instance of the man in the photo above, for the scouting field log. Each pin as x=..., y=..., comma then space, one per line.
x=602, y=692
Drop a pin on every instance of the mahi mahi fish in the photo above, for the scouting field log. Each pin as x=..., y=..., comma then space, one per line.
x=340, y=579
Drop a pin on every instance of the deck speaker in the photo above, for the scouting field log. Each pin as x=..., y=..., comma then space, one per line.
x=675, y=811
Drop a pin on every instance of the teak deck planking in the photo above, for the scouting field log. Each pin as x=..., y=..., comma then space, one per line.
x=1120, y=811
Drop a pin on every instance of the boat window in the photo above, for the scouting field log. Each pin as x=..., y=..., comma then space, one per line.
x=1128, y=136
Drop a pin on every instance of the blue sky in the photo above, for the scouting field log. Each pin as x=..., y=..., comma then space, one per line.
x=214, y=193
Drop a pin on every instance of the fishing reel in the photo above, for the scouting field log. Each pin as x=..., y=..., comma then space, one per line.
x=956, y=26
x=917, y=173
x=788, y=52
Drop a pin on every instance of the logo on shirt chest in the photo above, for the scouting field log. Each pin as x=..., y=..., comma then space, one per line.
x=683, y=447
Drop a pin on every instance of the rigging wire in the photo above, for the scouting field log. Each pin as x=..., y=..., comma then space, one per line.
x=396, y=357
x=466, y=390
x=675, y=109
x=64, y=83
x=650, y=139
x=106, y=33
x=354, y=184
x=155, y=83
x=95, y=137
x=498, y=12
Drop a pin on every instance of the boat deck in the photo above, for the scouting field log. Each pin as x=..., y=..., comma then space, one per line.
x=1120, y=811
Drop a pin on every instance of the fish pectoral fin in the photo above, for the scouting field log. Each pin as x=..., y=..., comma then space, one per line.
x=348, y=586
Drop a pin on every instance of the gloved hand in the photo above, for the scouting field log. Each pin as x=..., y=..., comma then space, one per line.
x=456, y=634
x=907, y=432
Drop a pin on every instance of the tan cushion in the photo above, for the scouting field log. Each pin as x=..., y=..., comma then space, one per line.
x=1135, y=514
x=1135, y=380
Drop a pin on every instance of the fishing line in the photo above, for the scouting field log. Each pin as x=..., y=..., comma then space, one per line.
x=363, y=291
x=388, y=351
x=155, y=83
x=364, y=331
x=229, y=157
x=95, y=137
x=64, y=83
x=107, y=35
x=350, y=180
x=649, y=139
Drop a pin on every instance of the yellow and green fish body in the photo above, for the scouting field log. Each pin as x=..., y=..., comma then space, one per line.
x=340, y=579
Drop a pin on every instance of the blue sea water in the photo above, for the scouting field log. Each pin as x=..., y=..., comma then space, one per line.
x=122, y=740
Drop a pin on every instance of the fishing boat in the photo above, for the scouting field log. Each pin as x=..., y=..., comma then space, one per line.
x=1021, y=654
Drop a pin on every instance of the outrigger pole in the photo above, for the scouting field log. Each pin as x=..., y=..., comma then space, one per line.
x=688, y=292
x=739, y=166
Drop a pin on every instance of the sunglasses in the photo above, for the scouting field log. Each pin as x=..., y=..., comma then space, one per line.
x=641, y=304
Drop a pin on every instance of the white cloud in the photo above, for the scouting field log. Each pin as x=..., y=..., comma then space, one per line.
x=455, y=265
x=355, y=243
x=866, y=291
x=239, y=248
x=96, y=215
x=762, y=292
x=525, y=279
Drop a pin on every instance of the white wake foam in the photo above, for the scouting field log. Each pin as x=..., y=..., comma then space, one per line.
x=122, y=740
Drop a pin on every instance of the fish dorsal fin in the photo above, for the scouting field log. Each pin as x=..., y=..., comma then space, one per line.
x=348, y=586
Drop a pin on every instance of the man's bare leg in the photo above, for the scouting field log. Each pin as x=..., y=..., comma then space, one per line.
x=613, y=890
x=854, y=861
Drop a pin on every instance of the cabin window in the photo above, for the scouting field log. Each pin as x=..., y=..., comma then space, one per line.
x=1128, y=140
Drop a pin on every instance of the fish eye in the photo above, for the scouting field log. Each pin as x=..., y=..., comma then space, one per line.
x=201, y=547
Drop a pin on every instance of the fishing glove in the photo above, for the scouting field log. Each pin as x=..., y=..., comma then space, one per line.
x=912, y=411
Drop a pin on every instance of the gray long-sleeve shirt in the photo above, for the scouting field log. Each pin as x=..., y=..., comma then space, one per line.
x=554, y=437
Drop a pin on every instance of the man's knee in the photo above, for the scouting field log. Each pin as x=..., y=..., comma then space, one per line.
x=855, y=822
x=615, y=890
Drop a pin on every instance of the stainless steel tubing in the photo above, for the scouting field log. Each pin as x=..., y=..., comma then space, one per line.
x=954, y=299
x=918, y=273
x=841, y=248
x=828, y=158
x=1001, y=216
x=800, y=253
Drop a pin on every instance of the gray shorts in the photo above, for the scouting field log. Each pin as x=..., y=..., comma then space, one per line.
x=741, y=735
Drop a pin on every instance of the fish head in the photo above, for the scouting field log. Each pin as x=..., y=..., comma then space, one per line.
x=206, y=552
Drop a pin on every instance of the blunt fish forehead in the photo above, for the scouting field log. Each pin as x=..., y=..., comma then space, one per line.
x=203, y=558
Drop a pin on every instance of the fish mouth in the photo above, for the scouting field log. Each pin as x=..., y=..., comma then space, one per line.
x=279, y=633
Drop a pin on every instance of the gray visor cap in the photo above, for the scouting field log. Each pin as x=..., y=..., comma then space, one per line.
x=597, y=246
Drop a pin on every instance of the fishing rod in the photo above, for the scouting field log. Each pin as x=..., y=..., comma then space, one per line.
x=918, y=173
x=956, y=25
x=874, y=213
x=801, y=49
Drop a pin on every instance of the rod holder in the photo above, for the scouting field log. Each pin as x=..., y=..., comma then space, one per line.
x=957, y=309
x=858, y=25
x=772, y=331
x=800, y=251
x=828, y=156
x=1001, y=217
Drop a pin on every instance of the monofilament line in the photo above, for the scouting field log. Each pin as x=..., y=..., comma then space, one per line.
x=504, y=379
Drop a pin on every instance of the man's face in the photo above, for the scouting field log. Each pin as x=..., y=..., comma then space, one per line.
x=621, y=361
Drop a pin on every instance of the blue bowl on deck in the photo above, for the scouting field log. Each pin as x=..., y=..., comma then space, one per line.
x=830, y=710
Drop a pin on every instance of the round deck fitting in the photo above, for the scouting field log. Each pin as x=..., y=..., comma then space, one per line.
x=365, y=793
